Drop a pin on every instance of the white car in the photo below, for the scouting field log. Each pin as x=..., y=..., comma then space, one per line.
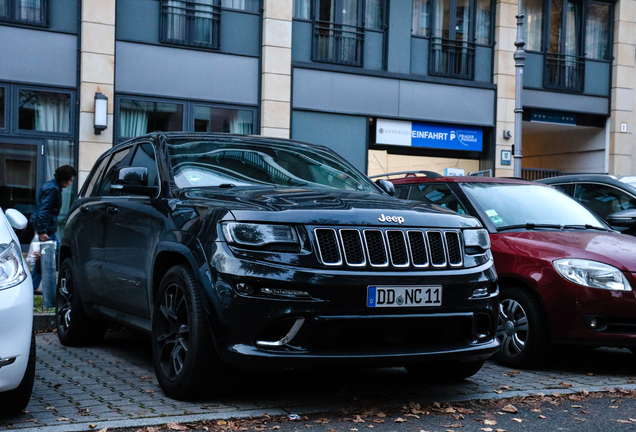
x=17, y=341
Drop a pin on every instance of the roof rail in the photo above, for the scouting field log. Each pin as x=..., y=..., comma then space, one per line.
x=429, y=174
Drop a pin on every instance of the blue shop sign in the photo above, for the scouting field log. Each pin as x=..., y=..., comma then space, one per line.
x=446, y=137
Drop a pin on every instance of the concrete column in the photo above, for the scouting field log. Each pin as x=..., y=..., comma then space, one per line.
x=276, y=72
x=504, y=78
x=622, y=157
x=97, y=74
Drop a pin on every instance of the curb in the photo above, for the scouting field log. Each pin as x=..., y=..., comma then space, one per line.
x=43, y=322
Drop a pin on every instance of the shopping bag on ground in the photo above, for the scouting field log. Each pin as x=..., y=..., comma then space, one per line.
x=34, y=251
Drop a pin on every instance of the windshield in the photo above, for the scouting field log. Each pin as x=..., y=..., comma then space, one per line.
x=508, y=205
x=244, y=163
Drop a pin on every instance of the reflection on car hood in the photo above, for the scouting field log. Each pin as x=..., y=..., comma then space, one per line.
x=618, y=250
x=325, y=206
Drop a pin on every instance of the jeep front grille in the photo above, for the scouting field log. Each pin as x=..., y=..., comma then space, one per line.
x=398, y=248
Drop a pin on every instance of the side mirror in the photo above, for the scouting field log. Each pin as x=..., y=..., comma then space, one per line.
x=16, y=219
x=623, y=218
x=134, y=180
x=386, y=186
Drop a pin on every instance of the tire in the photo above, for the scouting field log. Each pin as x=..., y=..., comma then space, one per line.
x=74, y=327
x=444, y=371
x=522, y=330
x=183, y=352
x=14, y=401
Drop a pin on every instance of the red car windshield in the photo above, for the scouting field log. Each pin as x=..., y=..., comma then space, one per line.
x=511, y=205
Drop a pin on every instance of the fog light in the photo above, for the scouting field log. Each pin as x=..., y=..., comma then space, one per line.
x=596, y=323
x=593, y=323
x=245, y=288
x=284, y=292
x=480, y=292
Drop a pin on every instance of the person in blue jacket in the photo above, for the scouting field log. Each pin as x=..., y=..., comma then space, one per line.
x=47, y=207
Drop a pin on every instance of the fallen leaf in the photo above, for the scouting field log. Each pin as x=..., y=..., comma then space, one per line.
x=458, y=416
x=465, y=411
x=370, y=426
x=353, y=430
x=103, y=429
x=92, y=426
x=278, y=427
x=510, y=409
x=624, y=421
x=399, y=420
x=586, y=412
x=412, y=415
x=32, y=420
x=90, y=362
x=322, y=421
x=221, y=422
x=436, y=405
x=585, y=392
x=536, y=410
x=542, y=417
x=150, y=391
x=358, y=419
x=380, y=414
x=450, y=410
x=556, y=394
x=487, y=429
x=577, y=406
x=146, y=377
x=176, y=426
x=613, y=407
x=50, y=408
x=454, y=426
x=490, y=422
x=631, y=419
x=579, y=419
x=378, y=421
x=518, y=420
x=500, y=430
x=498, y=391
x=61, y=419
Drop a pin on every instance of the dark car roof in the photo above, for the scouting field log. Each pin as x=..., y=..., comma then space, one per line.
x=457, y=179
x=594, y=178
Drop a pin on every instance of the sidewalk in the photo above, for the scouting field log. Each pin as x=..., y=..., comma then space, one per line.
x=113, y=385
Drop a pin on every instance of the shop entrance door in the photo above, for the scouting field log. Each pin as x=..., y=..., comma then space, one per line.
x=22, y=164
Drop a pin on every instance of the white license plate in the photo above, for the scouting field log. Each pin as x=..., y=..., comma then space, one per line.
x=404, y=296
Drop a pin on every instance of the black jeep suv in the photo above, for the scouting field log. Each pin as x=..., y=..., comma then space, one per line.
x=259, y=253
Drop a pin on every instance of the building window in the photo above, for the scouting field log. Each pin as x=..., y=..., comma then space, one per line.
x=244, y=5
x=194, y=23
x=339, y=28
x=210, y=119
x=564, y=64
x=138, y=117
x=421, y=11
x=597, y=31
x=452, y=46
x=302, y=9
x=2, y=109
x=23, y=11
x=533, y=24
x=44, y=111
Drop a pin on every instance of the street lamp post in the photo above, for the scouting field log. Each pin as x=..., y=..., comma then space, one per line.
x=520, y=58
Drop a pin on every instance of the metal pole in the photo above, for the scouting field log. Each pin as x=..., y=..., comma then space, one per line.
x=520, y=58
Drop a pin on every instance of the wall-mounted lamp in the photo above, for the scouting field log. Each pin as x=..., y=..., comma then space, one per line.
x=507, y=135
x=101, y=113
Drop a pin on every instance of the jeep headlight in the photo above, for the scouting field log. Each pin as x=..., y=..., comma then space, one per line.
x=476, y=241
x=592, y=274
x=12, y=271
x=261, y=235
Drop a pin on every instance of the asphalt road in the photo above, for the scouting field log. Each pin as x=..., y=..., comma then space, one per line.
x=112, y=385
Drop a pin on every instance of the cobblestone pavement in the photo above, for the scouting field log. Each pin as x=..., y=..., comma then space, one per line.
x=112, y=384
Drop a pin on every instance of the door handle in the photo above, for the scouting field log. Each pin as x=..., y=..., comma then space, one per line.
x=112, y=210
x=85, y=209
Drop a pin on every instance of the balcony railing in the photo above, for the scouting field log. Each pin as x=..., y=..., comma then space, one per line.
x=452, y=58
x=564, y=72
x=338, y=43
x=190, y=23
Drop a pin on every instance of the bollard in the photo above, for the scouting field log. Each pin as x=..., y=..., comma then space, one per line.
x=49, y=277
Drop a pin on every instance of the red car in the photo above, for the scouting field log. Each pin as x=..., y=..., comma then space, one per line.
x=565, y=277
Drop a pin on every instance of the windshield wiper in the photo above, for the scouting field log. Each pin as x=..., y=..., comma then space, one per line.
x=529, y=226
x=585, y=227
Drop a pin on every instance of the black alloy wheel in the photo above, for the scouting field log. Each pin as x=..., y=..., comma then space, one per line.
x=182, y=349
x=74, y=327
x=521, y=329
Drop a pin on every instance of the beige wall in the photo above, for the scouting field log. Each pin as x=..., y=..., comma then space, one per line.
x=97, y=75
x=622, y=157
x=380, y=162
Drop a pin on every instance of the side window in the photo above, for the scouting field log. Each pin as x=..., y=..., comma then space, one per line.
x=437, y=193
x=145, y=157
x=402, y=191
x=95, y=177
x=603, y=200
x=118, y=160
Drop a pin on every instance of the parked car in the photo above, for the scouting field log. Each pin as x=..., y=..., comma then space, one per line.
x=565, y=277
x=270, y=253
x=612, y=199
x=17, y=341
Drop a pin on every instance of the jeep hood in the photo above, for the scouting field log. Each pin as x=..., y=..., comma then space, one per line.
x=325, y=207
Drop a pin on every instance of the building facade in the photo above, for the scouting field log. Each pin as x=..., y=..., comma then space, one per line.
x=391, y=85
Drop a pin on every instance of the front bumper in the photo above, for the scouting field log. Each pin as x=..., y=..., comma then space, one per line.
x=333, y=325
x=571, y=308
x=16, y=325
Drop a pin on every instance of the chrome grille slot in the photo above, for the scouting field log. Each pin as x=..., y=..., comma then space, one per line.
x=376, y=248
x=416, y=249
x=436, y=246
x=352, y=247
x=328, y=246
x=397, y=248
x=454, y=248
x=417, y=246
